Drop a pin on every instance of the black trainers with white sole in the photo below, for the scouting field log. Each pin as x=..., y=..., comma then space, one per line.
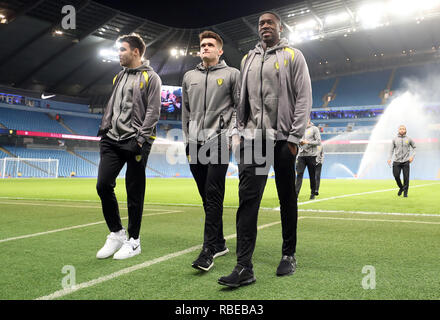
x=205, y=260
x=220, y=252
x=240, y=276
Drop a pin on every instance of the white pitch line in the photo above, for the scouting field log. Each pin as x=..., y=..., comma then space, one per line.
x=77, y=227
x=66, y=206
x=361, y=193
x=371, y=220
x=67, y=291
x=373, y=213
x=45, y=199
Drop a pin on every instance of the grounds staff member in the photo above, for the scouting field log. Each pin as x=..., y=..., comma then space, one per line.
x=403, y=150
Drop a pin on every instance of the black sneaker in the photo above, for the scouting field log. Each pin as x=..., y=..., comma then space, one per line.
x=287, y=266
x=405, y=195
x=240, y=276
x=220, y=252
x=316, y=193
x=204, y=261
x=400, y=192
x=312, y=196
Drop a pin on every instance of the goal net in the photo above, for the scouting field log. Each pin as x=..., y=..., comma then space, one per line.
x=29, y=168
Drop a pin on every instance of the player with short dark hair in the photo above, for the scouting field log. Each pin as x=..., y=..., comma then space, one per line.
x=210, y=94
x=127, y=131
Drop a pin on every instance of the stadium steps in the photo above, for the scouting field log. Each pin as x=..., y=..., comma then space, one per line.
x=390, y=83
x=332, y=92
x=7, y=152
x=53, y=117
x=81, y=157
x=155, y=171
x=61, y=122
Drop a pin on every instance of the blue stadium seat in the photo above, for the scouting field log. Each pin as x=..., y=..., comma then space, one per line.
x=361, y=89
x=29, y=121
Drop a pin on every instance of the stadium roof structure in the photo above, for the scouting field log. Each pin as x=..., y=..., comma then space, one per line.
x=336, y=37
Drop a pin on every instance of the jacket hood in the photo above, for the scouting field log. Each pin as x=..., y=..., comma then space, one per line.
x=282, y=44
x=222, y=64
x=145, y=66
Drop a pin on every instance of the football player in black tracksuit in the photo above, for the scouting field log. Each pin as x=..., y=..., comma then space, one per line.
x=127, y=132
x=210, y=95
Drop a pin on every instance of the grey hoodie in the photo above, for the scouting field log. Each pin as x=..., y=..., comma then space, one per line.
x=133, y=109
x=314, y=137
x=276, y=93
x=403, y=148
x=209, y=100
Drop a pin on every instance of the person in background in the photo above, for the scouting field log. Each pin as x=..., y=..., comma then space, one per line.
x=402, y=153
x=318, y=168
x=308, y=152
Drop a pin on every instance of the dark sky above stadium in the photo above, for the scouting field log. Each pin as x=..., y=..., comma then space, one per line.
x=193, y=13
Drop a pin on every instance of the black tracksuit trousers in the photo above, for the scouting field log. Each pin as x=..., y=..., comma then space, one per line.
x=114, y=154
x=302, y=163
x=398, y=167
x=253, y=178
x=210, y=177
x=318, y=170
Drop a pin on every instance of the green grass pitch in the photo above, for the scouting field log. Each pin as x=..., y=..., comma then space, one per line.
x=357, y=240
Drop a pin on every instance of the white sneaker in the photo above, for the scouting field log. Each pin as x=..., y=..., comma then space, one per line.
x=129, y=249
x=114, y=242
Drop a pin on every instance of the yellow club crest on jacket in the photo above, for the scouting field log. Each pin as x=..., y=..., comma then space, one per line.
x=220, y=82
x=138, y=158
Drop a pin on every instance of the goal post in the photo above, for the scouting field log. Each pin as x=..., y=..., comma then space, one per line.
x=29, y=168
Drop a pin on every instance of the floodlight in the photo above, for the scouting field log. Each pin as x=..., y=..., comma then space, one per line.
x=370, y=15
x=337, y=18
x=109, y=55
x=306, y=25
x=403, y=8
